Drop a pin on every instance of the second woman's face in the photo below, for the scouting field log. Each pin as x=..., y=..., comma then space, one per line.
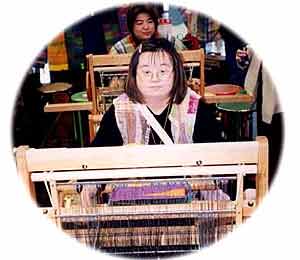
x=155, y=75
x=144, y=27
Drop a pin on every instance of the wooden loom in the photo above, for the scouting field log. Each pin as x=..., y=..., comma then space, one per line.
x=81, y=182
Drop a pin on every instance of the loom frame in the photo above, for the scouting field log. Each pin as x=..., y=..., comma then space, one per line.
x=240, y=154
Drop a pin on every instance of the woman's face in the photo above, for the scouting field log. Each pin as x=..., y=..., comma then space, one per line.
x=155, y=75
x=143, y=27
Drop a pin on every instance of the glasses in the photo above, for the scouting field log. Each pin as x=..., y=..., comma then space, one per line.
x=161, y=74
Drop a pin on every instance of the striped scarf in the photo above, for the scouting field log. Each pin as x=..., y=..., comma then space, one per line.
x=57, y=54
x=134, y=128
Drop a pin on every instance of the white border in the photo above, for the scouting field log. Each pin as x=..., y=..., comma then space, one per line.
x=272, y=29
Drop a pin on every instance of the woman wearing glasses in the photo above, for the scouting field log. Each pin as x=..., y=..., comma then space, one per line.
x=157, y=106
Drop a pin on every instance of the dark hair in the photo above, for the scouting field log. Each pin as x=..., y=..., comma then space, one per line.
x=179, y=88
x=135, y=10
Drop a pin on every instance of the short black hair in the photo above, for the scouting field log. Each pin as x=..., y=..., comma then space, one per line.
x=179, y=87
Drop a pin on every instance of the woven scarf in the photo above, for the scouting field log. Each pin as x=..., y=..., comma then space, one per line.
x=57, y=54
x=135, y=128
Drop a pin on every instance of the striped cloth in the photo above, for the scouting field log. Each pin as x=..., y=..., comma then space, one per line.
x=128, y=194
x=57, y=54
x=126, y=45
x=135, y=129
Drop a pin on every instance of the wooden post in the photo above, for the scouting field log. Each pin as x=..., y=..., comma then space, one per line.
x=239, y=199
x=23, y=172
x=202, y=73
x=55, y=202
x=262, y=171
x=92, y=84
x=88, y=85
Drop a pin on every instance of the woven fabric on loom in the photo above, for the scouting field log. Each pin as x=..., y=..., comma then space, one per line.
x=167, y=192
x=57, y=54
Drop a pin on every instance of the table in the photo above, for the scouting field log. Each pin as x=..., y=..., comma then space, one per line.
x=79, y=97
x=55, y=87
x=227, y=93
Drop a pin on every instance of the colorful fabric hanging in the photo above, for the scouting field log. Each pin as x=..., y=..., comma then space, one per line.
x=57, y=54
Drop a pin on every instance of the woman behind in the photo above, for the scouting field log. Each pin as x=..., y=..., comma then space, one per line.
x=157, y=106
x=142, y=23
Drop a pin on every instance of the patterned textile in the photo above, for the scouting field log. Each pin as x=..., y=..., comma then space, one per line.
x=57, y=54
x=159, y=192
x=126, y=45
x=134, y=128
